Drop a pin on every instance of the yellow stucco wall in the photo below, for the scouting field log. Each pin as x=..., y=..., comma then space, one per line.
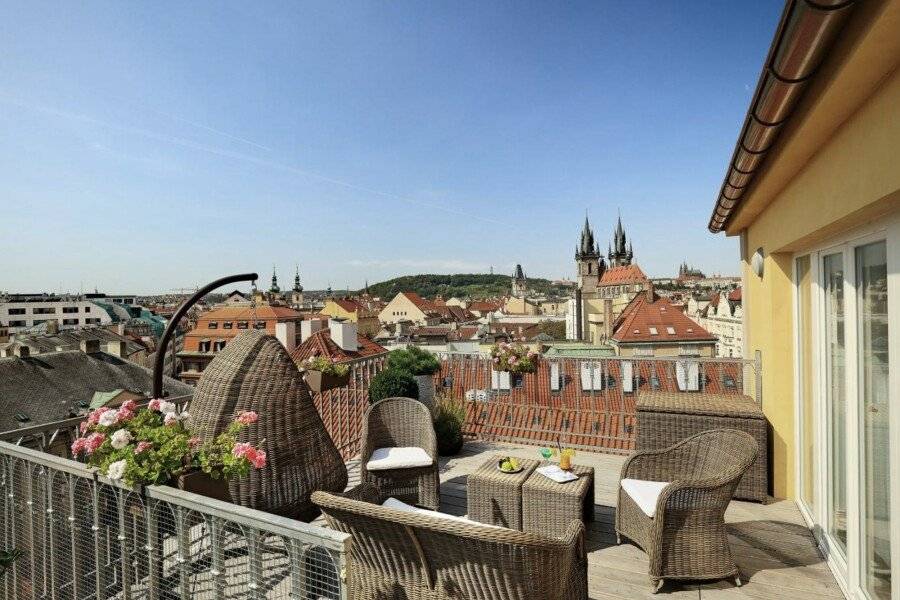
x=335, y=310
x=854, y=179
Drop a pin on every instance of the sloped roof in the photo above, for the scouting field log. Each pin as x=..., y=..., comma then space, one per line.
x=48, y=386
x=248, y=313
x=321, y=344
x=623, y=274
x=70, y=339
x=641, y=317
x=418, y=300
x=348, y=304
x=735, y=295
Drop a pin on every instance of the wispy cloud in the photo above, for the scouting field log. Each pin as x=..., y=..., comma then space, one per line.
x=224, y=153
x=436, y=264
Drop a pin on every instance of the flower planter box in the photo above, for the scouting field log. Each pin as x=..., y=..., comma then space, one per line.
x=322, y=382
x=198, y=482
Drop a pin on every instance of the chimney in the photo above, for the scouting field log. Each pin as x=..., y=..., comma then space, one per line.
x=309, y=327
x=23, y=351
x=286, y=332
x=90, y=346
x=117, y=348
x=53, y=327
x=650, y=294
x=344, y=334
x=608, y=318
x=120, y=328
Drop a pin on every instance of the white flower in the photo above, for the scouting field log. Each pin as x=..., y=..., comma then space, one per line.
x=170, y=419
x=167, y=407
x=120, y=439
x=116, y=470
x=108, y=418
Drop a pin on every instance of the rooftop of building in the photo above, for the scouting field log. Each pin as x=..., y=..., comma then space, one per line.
x=321, y=344
x=657, y=321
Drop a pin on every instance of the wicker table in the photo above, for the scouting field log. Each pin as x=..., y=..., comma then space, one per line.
x=665, y=418
x=495, y=497
x=549, y=507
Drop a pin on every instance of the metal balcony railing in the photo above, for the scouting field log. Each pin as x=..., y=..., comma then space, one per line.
x=84, y=536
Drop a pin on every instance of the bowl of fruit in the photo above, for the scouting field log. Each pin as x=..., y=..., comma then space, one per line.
x=508, y=464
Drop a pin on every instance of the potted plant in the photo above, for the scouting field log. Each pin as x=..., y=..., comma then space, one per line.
x=514, y=358
x=449, y=419
x=323, y=373
x=154, y=445
x=422, y=365
x=392, y=383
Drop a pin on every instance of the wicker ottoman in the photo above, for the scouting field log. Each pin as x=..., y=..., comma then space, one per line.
x=549, y=507
x=664, y=418
x=495, y=497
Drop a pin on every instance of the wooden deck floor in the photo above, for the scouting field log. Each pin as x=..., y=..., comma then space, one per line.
x=772, y=546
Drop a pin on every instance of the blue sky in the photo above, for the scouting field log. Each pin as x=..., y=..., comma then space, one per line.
x=151, y=146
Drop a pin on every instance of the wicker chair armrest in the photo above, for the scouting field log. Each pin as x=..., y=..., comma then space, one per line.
x=651, y=465
x=429, y=440
x=695, y=494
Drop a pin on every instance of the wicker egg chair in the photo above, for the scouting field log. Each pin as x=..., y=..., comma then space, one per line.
x=254, y=372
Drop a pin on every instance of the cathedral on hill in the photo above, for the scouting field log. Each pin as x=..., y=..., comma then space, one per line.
x=604, y=286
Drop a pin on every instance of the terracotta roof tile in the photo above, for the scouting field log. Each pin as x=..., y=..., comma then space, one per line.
x=657, y=321
x=321, y=344
x=623, y=274
x=735, y=295
x=418, y=300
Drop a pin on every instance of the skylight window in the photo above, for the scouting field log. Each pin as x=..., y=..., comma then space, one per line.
x=637, y=330
x=670, y=330
x=653, y=331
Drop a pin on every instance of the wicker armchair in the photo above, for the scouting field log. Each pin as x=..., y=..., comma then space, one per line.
x=401, y=422
x=686, y=537
x=254, y=372
x=401, y=555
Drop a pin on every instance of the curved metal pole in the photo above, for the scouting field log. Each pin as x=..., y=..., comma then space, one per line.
x=176, y=319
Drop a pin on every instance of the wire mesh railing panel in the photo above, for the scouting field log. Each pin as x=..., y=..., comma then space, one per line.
x=85, y=537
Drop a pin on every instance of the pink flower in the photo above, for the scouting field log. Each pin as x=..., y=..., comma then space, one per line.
x=512, y=360
x=142, y=447
x=93, y=442
x=194, y=443
x=171, y=419
x=256, y=457
x=94, y=416
x=154, y=404
x=83, y=426
x=247, y=417
x=79, y=446
x=496, y=360
x=129, y=405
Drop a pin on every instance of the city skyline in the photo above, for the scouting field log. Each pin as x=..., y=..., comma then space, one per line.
x=149, y=150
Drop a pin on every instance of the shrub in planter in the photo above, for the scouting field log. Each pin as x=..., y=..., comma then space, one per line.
x=449, y=418
x=422, y=365
x=392, y=383
x=323, y=373
x=514, y=358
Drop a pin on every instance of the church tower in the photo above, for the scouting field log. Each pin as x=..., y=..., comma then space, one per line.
x=620, y=252
x=591, y=267
x=297, y=291
x=519, y=283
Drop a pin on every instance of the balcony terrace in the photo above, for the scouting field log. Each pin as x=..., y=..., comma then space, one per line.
x=85, y=536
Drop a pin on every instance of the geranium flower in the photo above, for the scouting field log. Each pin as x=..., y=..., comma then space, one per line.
x=108, y=418
x=79, y=446
x=256, y=457
x=142, y=447
x=167, y=408
x=170, y=419
x=194, y=443
x=247, y=417
x=116, y=470
x=120, y=439
x=154, y=404
x=94, y=416
x=93, y=442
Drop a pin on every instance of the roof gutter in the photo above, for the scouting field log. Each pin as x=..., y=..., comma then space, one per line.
x=806, y=33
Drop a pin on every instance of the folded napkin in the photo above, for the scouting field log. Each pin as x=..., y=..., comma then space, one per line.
x=557, y=474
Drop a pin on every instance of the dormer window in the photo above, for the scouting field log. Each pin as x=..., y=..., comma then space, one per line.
x=212, y=325
x=227, y=325
x=670, y=330
x=653, y=331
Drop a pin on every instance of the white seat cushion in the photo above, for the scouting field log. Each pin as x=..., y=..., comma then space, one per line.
x=398, y=458
x=644, y=493
x=400, y=505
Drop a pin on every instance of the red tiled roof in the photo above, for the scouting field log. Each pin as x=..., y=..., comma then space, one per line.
x=347, y=304
x=321, y=344
x=244, y=313
x=641, y=318
x=735, y=295
x=454, y=313
x=623, y=274
x=418, y=300
x=714, y=299
x=463, y=333
x=484, y=305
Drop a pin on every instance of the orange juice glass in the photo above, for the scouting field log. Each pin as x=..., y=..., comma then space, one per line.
x=565, y=461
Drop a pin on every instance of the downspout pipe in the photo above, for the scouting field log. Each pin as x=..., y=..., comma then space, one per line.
x=176, y=319
x=806, y=33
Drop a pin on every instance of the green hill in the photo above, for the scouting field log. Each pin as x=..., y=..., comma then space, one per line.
x=468, y=285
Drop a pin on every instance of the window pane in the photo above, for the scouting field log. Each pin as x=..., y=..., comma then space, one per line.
x=833, y=284
x=807, y=433
x=872, y=326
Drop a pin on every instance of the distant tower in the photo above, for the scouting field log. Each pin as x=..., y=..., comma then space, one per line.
x=519, y=283
x=274, y=289
x=620, y=252
x=590, y=269
x=297, y=292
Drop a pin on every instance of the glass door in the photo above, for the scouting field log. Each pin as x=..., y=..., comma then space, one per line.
x=835, y=396
x=874, y=412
